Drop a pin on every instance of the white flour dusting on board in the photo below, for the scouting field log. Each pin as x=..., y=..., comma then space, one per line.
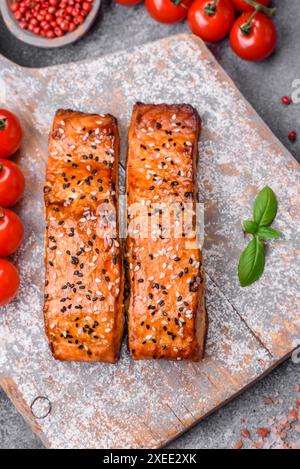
x=145, y=404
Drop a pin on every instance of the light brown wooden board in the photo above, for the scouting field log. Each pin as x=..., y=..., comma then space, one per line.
x=146, y=404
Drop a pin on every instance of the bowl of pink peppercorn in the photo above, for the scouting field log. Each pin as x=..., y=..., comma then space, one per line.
x=49, y=23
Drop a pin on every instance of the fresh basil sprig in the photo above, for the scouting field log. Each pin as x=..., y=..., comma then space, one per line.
x=252, y=260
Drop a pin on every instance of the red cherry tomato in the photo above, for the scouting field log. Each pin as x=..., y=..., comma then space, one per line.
x=241, y=5
x=10, y=133
x=9, y=282
x=260, y=40
x=11, y=232
x=12, y=183
x=128, y=3
x=165, y=11
x=211, y=22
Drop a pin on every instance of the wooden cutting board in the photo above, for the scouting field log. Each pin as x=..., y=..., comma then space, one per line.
x=146, y=404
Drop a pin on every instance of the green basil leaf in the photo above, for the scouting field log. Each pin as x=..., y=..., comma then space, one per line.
x=265, y=207
x=250, y=226
x=264, y=232
x=252, y=262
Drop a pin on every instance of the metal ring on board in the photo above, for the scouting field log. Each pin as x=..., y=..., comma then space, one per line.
x=44, y=403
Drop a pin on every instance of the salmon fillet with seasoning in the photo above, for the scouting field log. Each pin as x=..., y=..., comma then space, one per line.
x=83, y=308
x=166, y=313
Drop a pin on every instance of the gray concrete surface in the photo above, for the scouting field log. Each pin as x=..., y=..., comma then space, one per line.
x=263, y=84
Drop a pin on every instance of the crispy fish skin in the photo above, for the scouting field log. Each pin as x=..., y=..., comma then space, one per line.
x=166, y=313
x=83, y=309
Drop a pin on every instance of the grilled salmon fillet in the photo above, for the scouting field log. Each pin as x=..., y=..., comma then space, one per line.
x=166, y=313
x=83, y=308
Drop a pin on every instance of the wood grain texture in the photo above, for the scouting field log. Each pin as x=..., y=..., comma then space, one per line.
x=146, y=404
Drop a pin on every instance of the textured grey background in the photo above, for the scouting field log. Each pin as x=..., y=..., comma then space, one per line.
x=263, y=84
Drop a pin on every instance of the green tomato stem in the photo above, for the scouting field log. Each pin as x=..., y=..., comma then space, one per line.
x=210, y=8
x=179, y=3
x=246, y=28
x=268, y=11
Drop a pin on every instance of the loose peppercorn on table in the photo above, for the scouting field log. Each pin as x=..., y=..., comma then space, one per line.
x=147, y=403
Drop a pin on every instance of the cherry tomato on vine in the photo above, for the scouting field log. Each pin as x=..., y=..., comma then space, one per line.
x=10, y=133
x=242, y=5
x=168, y=11
x=12, y=183
x=9, y=282
x=211, y=19
x=11, y=232
x=253, y=38
x=128, y=3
